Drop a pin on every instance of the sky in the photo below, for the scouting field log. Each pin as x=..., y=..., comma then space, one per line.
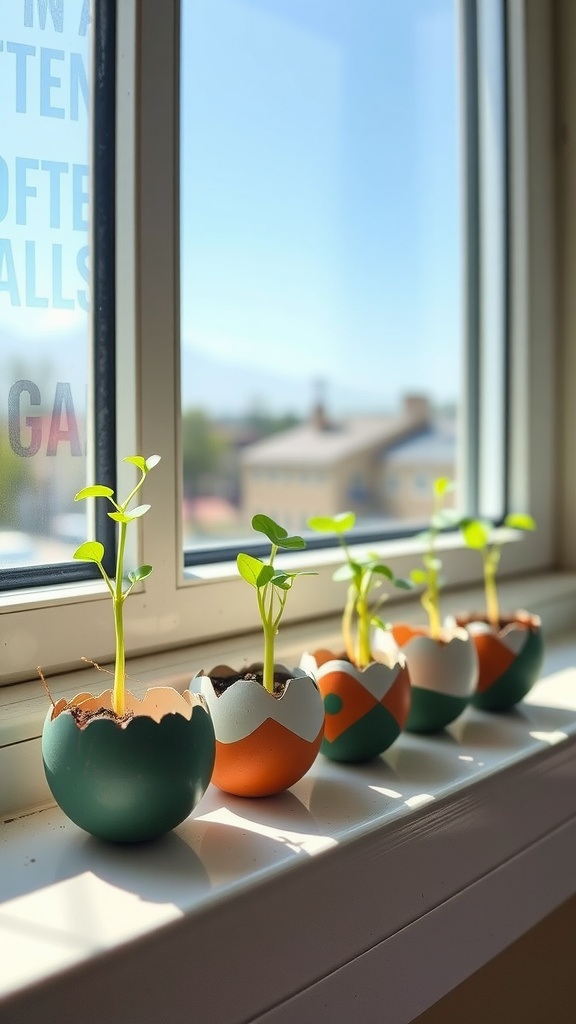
x=321, y=201
x=320, y=225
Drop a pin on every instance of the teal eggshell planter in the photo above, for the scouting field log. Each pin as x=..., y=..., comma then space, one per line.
x=130, y=782
x=510, y=657
x=443, y=674
x=366, y=709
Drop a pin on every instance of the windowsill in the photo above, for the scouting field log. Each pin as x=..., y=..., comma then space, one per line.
x=360, y=882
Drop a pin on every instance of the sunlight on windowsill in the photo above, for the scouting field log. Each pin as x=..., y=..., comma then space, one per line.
x=66, y=897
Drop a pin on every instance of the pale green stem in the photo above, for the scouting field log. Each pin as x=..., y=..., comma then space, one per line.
x=269, y=628
x=268, y=671
x=490, y=589
x=430, y=602
x=364, y=653
x=347, y=619
x=269, y=631
x=282, y=601
x=119, y=692
x=431, y=599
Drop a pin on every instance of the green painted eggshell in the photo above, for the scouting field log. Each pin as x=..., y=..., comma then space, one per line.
x=135, y=781
x=365, y=709
x=443, y=674
x=510, y=659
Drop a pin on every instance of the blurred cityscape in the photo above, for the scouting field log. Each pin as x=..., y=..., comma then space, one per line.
x=291, y=468
x=380, y=467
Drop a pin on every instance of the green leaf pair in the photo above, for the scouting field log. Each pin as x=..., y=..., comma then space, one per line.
x=271, y=584
x=363, y=578
x=477, y=535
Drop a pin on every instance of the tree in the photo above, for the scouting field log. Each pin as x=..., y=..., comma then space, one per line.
x=202, y=449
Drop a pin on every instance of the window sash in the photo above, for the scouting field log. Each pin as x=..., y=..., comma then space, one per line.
x=56, y=626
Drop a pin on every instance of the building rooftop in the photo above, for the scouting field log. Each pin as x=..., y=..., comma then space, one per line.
x=321, y=443
x=435, y=444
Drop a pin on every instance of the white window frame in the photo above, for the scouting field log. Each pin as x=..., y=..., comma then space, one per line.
x=55, y=626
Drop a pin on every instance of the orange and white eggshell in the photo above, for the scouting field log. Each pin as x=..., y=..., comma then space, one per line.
x=264, y=744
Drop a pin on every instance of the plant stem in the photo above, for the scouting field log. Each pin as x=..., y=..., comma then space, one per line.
x=347, y=624
x=269, y=629
x=364, y=653
x=430, y=602
x=119, y=691
x=268, y=668
x=491, y=591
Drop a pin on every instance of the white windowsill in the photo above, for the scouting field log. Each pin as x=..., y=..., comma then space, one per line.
x=358, y=885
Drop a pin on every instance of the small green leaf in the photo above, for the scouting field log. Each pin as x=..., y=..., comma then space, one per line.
x=382, y=570
x=520, y=521
x=292, y=543
x=152, y=461
x=250, y=568
x=403, y=584
x=419, y=576
x=476, y=533
x=120, y=517
x=265, y=576
x=91, y=551
x=282, y=580
x=442, y=485
x=140, y=510
x=128, y=517
x=136, y=460
x=141, y=573
x=280, y=577
x=340, y=523
x=95, y=491
x=264, y=524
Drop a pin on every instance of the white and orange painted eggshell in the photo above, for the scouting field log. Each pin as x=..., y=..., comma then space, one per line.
x=264, y=743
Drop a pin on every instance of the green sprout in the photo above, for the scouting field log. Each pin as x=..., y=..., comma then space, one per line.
x=477, y=535
x=121, y=586
x=429, y=576
x=363, y=577
x=272, y=585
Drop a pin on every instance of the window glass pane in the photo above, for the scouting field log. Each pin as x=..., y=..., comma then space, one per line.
x=44, y=291
x=321, y=260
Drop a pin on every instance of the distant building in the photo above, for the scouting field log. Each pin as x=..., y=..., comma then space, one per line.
x=325, y=467
x=410, y=467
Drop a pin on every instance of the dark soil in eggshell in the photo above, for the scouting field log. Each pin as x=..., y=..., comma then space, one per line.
x=222, y=683
x=83, y=717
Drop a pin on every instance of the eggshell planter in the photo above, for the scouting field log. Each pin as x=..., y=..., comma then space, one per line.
x=133, y=780
x=443, y=674
x=365, y=709
x=510, y=657
x=264, y=743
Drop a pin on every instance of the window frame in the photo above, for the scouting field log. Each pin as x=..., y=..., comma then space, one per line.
x=55, y=626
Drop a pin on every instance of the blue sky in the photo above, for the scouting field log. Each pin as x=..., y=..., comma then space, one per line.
x=321, y=199
x=320, y=202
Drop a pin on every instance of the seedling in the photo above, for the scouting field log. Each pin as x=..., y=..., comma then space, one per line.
x=363, y=578
x=477, y=534
x=272, y=585
x=121, y=586
x=429, y=576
